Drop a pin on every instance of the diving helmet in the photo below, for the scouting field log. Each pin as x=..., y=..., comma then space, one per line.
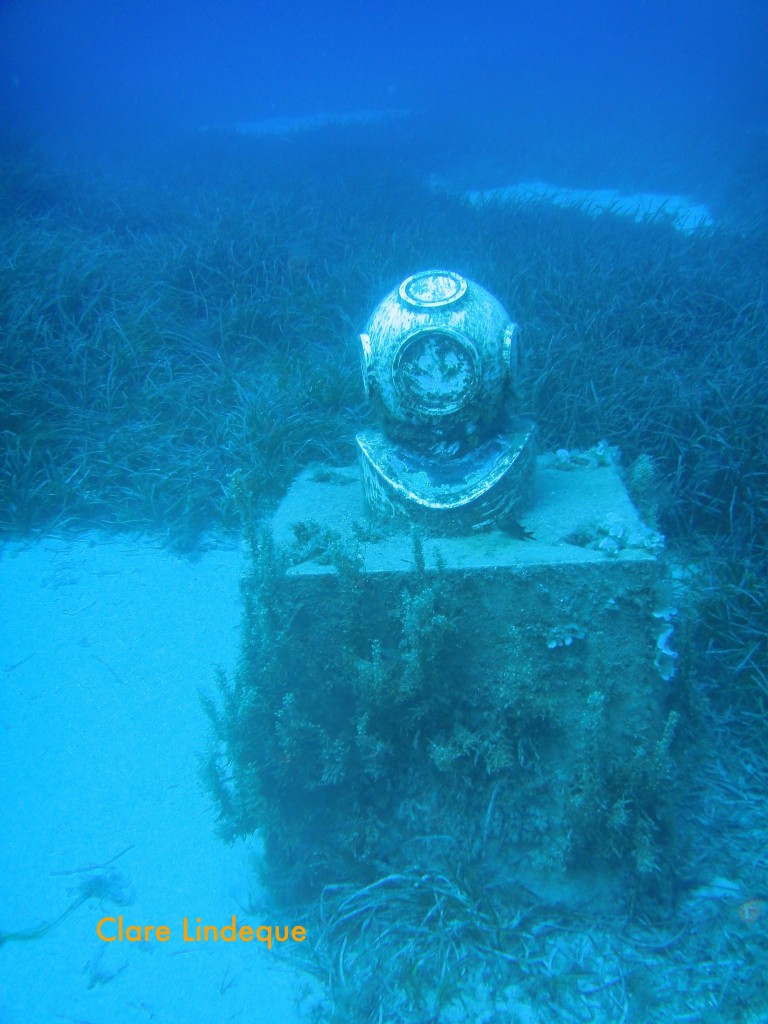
x=440, y=361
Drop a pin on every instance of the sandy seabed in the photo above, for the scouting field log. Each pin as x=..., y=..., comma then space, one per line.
x=105, y=645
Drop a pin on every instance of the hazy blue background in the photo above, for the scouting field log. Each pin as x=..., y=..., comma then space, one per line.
x=89, y=72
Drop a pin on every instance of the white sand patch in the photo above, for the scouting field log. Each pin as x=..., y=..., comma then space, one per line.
x=684, y=213
x=105, y=645
x=273, y=126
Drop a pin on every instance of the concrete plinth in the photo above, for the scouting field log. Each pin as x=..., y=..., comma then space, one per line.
x=511, y=688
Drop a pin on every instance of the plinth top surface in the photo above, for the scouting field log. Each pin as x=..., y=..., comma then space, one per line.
x=580, y=514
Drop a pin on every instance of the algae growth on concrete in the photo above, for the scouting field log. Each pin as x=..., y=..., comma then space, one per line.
x=404, y=699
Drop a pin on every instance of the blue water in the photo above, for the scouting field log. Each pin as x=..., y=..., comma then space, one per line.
x=550, y=72
x=621, y=105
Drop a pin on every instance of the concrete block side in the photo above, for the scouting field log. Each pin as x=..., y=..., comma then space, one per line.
x=518, y=709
